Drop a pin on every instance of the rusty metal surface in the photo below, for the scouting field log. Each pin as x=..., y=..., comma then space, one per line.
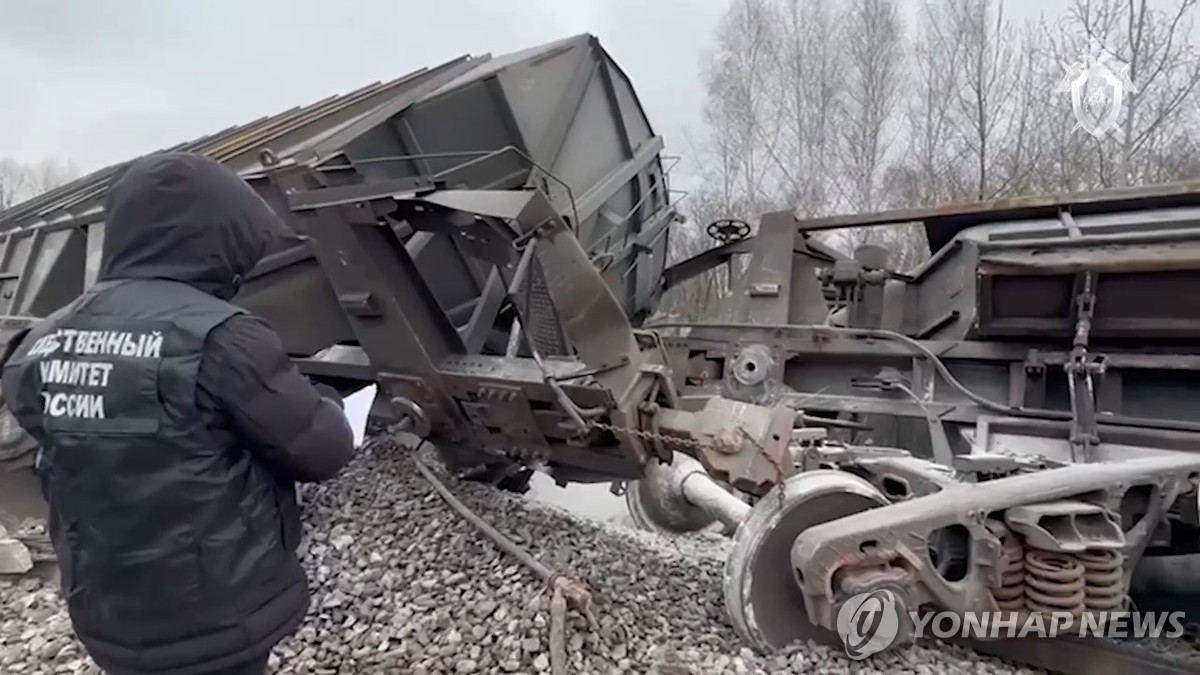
x=1132, y=258
x=762, y=598
x=742, y=444
x=944, y=221
x=960, y=559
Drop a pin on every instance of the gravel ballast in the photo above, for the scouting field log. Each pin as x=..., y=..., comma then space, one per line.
x=401, y=584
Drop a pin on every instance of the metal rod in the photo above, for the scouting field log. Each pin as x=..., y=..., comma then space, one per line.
x=479, y=155
x=518, y=277
x=687, y=478
x=1074, y=655
x=514, y=339
x=703, y=492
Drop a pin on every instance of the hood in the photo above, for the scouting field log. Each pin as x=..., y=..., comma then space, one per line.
x=186, y=218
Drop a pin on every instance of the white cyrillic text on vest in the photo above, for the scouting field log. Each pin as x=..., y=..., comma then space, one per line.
x=75, y=373
x=99, y=343
x=83, y=406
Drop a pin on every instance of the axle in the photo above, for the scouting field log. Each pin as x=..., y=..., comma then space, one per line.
x=686, y=493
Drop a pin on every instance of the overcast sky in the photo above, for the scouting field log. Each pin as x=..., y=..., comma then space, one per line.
x=99, y=81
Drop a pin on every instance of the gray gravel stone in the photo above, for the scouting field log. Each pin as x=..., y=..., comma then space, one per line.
x=14, y=557
x=402, y=585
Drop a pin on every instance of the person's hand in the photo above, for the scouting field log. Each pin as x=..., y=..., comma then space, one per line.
x=330, y=393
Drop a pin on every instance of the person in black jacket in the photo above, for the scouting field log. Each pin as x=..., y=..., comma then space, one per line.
x=173, y=428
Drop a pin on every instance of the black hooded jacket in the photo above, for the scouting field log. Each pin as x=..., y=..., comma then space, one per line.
x=199, y=487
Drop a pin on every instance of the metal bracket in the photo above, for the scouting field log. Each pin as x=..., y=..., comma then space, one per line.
x=414, y=400
x=890, y=379
x=1080, y=370
x=503, y=413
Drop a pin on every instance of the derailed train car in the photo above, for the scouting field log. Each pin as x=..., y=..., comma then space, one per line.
x=561, y=118
x=485, y=240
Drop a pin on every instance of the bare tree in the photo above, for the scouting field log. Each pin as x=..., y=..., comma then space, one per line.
x=51, y=173
x=20, y=181
x=834, y=106
x=873, y=89
x=1160, y=48
x=735, y=75
x=13, y=182
x=933, y=162
x=1061, y=159
x=985, y=116
x=973, y=109
x=869, y=108
x=808, y=76
x=739, y=176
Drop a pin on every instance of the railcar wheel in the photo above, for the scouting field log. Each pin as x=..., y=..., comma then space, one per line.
x=656, y=503
x=763, y=599
x=654, y=510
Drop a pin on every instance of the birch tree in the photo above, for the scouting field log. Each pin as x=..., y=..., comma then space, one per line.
x=735, y=74
x=874, y=83
x=807, y=80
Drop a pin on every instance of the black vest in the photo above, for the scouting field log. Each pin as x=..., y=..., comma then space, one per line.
x=159, y=520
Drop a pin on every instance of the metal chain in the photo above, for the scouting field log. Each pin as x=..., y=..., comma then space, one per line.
x=780, y=474
x=1080, y=370
x=648, y=435
x=781, y=480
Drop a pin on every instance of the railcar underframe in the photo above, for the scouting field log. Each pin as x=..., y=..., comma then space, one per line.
x=952, y=470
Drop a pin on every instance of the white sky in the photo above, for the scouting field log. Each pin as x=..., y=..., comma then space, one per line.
x=100, y=81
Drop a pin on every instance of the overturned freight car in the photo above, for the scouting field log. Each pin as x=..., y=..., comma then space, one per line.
x=560, y=118
x=486, y=239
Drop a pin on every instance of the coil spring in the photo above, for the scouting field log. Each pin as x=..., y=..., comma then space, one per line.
x=1010, y=596
x=1104, y=580
x=1054, y=582
x=1048, y=581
